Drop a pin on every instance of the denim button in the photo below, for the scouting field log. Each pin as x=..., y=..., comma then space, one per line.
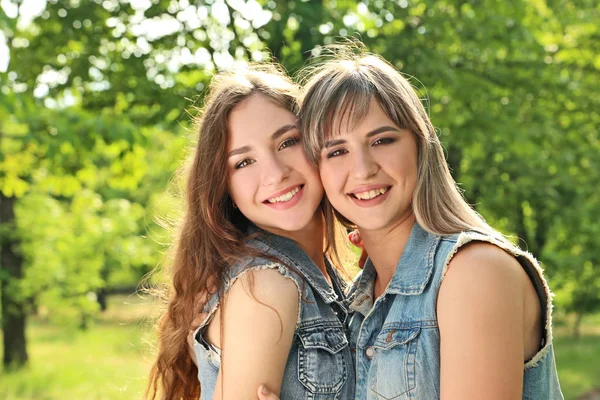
x=370, y=352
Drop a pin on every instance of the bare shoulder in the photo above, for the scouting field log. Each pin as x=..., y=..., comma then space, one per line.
x=484, y=279
x=480, y=317
x=261, y=294
x=258, y=288
x=485, y=264
x=259, y=320
x=268, y=283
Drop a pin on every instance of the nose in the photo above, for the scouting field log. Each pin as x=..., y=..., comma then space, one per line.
x=274, y=171
x=364, y=165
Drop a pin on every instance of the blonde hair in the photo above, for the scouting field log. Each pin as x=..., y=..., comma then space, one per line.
x=340, y=86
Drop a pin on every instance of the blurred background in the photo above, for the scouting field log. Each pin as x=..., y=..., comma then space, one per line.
x=96, y=99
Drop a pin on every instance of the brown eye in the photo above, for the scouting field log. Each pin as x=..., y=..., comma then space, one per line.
x=288, y=143
x=337, y=153
x=383, y=141
x=244, y=163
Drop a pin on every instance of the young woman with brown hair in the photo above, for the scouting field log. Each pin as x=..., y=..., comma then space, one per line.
x=253, y=229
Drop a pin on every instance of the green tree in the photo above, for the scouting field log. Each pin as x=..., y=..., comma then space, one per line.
x=93, y=124
x=77, y=154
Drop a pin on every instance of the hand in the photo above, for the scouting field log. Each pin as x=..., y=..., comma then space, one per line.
x=265, y=394
x=355, y=239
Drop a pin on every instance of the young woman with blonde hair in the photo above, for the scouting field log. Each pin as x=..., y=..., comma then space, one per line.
x=253, y=230
x=445, y=306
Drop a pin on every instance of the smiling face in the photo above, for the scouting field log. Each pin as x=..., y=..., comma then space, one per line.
x=270, y=178
x=369, y=170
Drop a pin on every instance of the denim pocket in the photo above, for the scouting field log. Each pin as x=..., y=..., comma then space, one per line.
x=394, y=362
x=322, y=365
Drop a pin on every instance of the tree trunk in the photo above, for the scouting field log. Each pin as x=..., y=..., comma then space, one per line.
x=11, y=273
x=103, y=291
x=101, y=298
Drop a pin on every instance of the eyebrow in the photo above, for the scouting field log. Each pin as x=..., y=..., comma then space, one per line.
x=387, y=128
x=284, y=129
x=334, y=142
x=276, y=135
x=382, y=129
x=240, y=150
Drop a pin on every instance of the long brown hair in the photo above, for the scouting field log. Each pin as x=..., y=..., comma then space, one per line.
x=211, y=235
x=342, y=82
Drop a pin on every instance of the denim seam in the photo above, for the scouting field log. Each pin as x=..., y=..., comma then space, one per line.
x=311, y=386
x=319, y=345
x=362, y=288
x=422, y=323
x=430, y=260
x=411, y=383
x=319, y=322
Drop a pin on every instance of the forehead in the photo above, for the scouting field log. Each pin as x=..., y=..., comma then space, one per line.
x=356, y=114
x=256, y=118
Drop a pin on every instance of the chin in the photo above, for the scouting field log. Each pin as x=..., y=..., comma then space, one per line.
x=371, y=223
x=291, y=224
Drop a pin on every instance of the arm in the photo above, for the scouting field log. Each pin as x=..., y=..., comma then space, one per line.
x=256, y=337
x=481, y=322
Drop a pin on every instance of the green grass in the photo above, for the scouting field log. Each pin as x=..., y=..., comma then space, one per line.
x=108, y=361
x=578, y=363
x=111, y=360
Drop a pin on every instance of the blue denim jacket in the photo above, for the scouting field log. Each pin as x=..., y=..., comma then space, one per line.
x=396, y=337
x=319, y=365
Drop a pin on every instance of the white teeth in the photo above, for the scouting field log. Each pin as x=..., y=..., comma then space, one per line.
x=285, y=197
x=370, y=194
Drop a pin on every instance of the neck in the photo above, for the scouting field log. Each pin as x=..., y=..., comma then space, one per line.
x=310, y=239
x=385, y=247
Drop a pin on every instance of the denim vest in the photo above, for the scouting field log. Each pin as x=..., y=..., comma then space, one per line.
x=320, y=364
x=396, y=337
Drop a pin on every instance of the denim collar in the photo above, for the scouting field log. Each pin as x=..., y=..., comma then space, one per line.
x=413, y=270
x=292, y=255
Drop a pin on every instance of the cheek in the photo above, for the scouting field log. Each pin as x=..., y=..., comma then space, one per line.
x=409, y=165
x=242, y=187
x=399, y=164
x=299, y=161
x=332, y=180
x=312, y=174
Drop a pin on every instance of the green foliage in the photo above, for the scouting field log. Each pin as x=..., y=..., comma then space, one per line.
x=93, y=122
x=68, y=244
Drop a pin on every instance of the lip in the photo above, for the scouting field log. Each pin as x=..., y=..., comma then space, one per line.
x=286, y=204
x=371, y=202
x=282, y=192
x=366, y=188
